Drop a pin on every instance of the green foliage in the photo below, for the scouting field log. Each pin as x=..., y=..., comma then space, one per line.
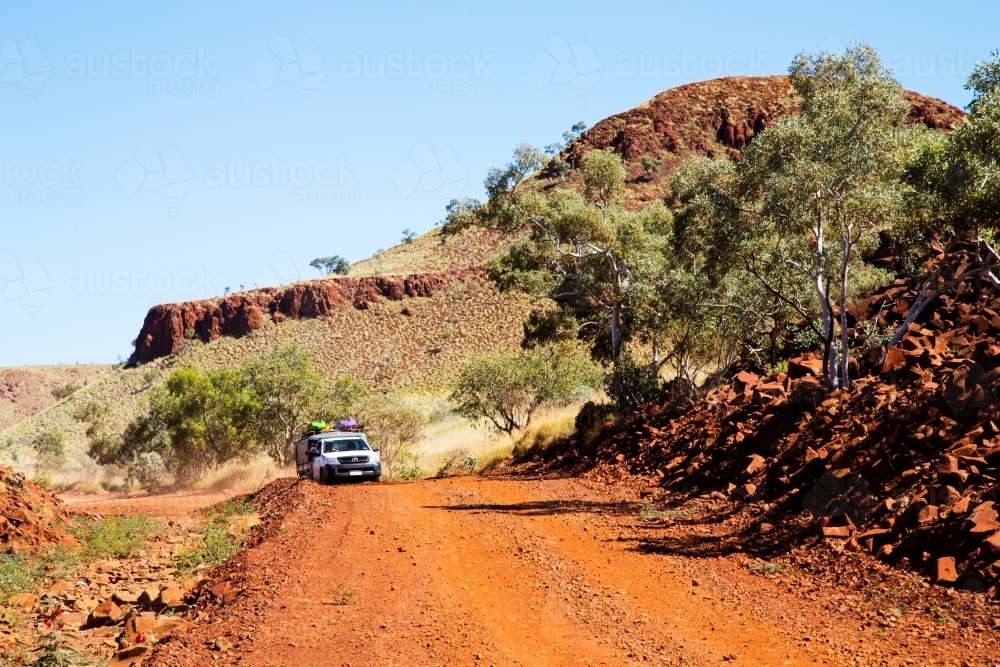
x=234, y=508
x=219, y=542
x=53, y=650
x=395, y=428
x=17, y=575
x=766, y=568
x=197, y=421
x=957, y=178
x=507, y=389
x=807, y=202
x=650, y=165
x=288, y=392
x=409, y=236
x=457, y=462
x=583, y=251
x=631, y=384
x=50, y=446
x=335, y=265
x=64, y=391
x=593, y=416
x=115, y=537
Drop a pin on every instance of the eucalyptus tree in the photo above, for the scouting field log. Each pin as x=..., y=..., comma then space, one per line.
x=810, y=196
x=582, y=250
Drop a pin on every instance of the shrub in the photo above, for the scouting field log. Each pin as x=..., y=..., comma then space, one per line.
x=148, y=471
x=51, y=449
x=632, y=384
x=343, y=593
x=17, y=575
x=395, y=428
x=115, y=537
x=508, y=389
x=457, y=462
x=593, y=415
x=64, y=391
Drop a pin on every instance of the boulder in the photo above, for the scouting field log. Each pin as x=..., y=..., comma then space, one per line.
x=106, y=613
x=944, y=570
x=138, y=628
x=991, y=544
x=170, y=625
x=836, y=531
x=126, y=597
x=171, y=596
x=22, y=601
x=756, y=464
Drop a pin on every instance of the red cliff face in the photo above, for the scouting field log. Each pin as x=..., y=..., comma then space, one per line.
x=715, y=117
x=167, y=325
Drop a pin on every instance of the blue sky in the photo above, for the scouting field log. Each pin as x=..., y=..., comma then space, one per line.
x=154, y=152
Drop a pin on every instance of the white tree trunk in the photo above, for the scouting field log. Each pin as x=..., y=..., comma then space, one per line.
x=845, y=378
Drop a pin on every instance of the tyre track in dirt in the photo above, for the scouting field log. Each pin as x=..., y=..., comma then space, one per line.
x=468, y=571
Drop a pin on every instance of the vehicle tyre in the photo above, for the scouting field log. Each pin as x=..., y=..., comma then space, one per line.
x=322, y=476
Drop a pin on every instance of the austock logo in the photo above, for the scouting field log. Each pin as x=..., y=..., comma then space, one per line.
x=23, y=64
x=424, y=170
x=558, y=61
x=284, y=62
x=149, y=170
x=23, y=281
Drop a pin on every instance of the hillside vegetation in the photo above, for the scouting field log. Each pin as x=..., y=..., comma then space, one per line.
x=376, y=331
x=381, y=346
x=27, y=390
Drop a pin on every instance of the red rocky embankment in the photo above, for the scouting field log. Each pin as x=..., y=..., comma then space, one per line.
x=166, y=326
x=904, y=465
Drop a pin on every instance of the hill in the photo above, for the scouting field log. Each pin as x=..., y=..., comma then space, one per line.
x=27, y=390
x=408, y=317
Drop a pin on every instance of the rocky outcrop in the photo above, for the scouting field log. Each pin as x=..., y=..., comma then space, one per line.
x=167, y=326
x=714, y=117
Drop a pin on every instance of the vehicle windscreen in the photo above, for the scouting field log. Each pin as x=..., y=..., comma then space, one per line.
x=348, y=445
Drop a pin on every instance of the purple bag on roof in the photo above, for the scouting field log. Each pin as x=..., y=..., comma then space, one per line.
x=347, y=424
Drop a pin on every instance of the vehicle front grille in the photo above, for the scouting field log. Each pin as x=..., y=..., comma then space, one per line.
x=353, y=459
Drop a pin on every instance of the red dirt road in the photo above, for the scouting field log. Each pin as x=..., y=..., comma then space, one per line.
x=470, y=571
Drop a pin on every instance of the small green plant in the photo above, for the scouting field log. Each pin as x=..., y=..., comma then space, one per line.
x=766, y=568
x=458, y=462
x=17, y=575
x=52, y=650
x=232, y=508
x=650, y=165
x=343, y=593
x=116, y=537
x=652, y=513
x=409, y=236
x=218, y=542
x=64, y=391
x=51, y=449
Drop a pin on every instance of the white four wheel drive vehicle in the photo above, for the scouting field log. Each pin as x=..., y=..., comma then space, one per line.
x=332, y=456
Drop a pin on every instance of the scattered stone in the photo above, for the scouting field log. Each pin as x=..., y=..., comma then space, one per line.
x=22, y=601
x=131, y=653
x=927, y=514
x=170, y=625
x=106, y=613
x=836, y=531
x=171, y=596
x=222, y=644
x=126, y=597
x=944, y=572
x=757, y=464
